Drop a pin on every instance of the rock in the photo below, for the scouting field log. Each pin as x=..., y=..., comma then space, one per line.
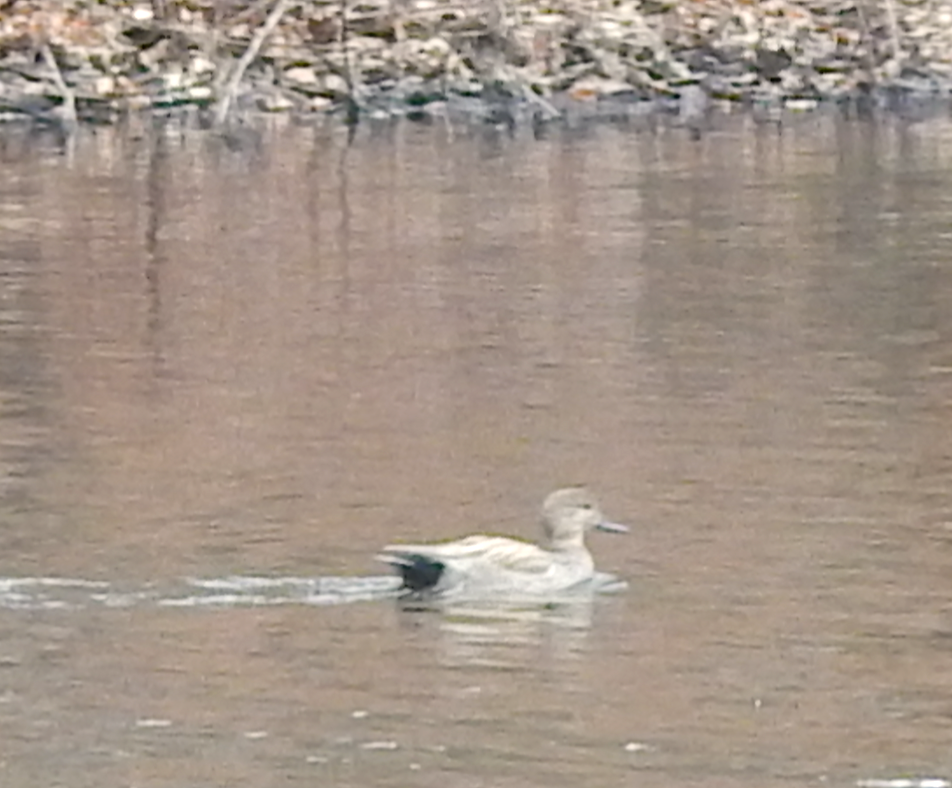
x=331, y=86
x=593, y=88
x=301, y=76
x=104, y=86
x=201, y=66
x=174, y=80
x=426, y=59
x=692, y=104
x=150, y=57
x=240, y=32
x=274, y=101
x=801, y=105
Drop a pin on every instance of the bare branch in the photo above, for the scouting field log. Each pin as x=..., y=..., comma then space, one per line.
x=893, y=23
x=69, y=98
x=353, y=113
x=254, y=46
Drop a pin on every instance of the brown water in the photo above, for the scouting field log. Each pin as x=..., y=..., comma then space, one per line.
x=218, y=365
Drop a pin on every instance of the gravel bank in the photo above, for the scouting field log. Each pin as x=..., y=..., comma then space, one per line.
x=66, y=61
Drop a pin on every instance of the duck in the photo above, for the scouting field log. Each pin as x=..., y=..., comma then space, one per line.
x=494, y=566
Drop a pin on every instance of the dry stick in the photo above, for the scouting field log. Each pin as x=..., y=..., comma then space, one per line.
x=893, y=27
x=249, y=11
x=353, y=111
x=867, y=38
x=159, y=10
x=534, y=99
x=502, y=27
x=257, y=40
x=397, y=12
x=69, y=98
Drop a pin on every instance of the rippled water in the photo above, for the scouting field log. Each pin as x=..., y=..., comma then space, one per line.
x=228, y=376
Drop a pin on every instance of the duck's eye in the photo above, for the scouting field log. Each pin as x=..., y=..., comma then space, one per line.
x=585, y=506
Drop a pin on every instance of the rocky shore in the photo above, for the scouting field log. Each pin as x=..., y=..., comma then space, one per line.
x=69, y=61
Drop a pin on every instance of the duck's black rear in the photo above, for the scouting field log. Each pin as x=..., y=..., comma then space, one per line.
x=419, y=572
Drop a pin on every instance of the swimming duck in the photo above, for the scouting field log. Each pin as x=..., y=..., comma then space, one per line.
x=495, y=565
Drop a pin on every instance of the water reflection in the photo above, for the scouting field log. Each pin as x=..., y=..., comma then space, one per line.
x=504, y=635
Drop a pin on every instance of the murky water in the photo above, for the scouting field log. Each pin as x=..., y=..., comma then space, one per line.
x=227, y=377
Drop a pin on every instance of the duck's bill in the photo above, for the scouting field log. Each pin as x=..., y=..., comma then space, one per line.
x=612, y=528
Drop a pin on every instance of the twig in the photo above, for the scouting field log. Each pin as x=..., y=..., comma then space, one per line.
x=352, y=115
x=69, y=98
x=159, y=10
x=254, y=46
x=893, y=27
x=253, y=9
x=867, y=40
x=532, y=98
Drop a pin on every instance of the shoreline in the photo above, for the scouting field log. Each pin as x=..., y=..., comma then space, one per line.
x=66, y=63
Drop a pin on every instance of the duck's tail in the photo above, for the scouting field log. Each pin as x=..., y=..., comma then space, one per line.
x=419, y=572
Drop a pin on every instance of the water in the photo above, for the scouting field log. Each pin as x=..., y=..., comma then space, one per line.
x=227, y=377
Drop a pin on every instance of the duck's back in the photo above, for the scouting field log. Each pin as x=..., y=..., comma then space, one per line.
x=486, y=564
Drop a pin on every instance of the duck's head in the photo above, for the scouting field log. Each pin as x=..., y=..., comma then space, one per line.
x=568, y=513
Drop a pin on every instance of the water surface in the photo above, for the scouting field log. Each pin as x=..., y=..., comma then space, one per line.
x=266, y=363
